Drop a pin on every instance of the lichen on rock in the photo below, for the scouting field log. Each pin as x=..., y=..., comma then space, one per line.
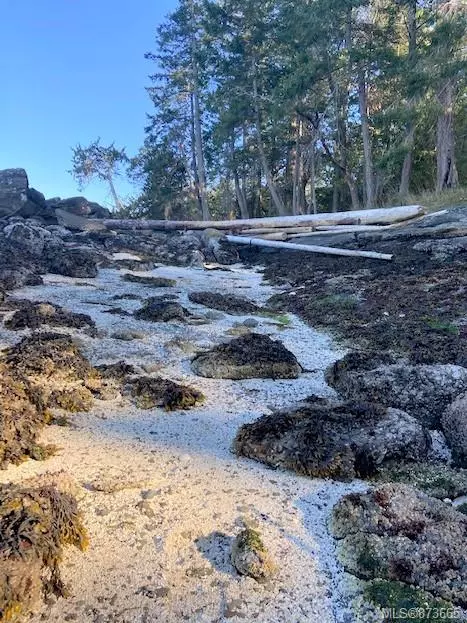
x=249, y=356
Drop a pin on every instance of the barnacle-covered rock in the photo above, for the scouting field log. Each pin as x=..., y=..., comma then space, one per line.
x=150, y=392
x=423, y=391
x=250, y=557
x=37, y=519
x=398, y=533
x=249, y=356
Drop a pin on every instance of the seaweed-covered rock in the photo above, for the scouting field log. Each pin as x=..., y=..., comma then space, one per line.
x=437, y=481
x=396, y=532
x=423, y=391
x=250, y=557
x=329, y=439
x=50, y=355
x=162, y=311
x=229, y=303
x=22, y=415
x=150, y=392
x=37, y=519
x=454, y=424
x=119, y=370
x=249, y=356
x=58, y=370
x=78, y=262
x=72, y=399
x=149, y=280
x=33, y=315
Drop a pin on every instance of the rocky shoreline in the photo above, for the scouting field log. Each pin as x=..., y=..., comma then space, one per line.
x=135, y=370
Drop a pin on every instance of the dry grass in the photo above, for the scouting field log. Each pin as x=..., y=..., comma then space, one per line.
x=434, y=201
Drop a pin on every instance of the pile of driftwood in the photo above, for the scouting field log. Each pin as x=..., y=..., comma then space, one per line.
x=277, y=232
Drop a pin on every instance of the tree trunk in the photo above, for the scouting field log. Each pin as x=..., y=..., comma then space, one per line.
x=313, y=202
x=194, y=163
x=409, y=138
x=239, y=189
x=367, y=149
x=297, y=188
x=445, y=143
x=276, y=199
x=201, y=167
x=113, y=192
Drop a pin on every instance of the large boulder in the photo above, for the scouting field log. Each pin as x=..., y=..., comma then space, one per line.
x=28, y=236
x=248, y=357
x=454, y=423
x=79, y=206
x=330, y=439
x=423, y=391
x=396, y=532
x=13, y=191
x=80, y=262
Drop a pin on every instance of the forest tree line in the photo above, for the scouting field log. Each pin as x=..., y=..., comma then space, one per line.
x=298, y=106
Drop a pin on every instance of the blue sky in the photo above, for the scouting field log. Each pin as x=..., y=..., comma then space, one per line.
x=70, y=71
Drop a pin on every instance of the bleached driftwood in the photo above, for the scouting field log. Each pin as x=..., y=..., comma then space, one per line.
x=359, y=217
x=259, y=242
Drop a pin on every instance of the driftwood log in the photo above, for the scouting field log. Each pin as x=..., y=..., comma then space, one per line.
x=380, y=216
x=274, y=244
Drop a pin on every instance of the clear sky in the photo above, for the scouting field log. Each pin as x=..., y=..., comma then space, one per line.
x=71, y=71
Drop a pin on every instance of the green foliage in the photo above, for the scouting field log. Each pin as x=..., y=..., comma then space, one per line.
x=279, y=86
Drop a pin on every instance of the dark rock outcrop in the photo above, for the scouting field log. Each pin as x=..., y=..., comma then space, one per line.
x=398, y=533
x=13, y=191
x=80, y=262
x=249, y=356
x=423, y=391
x=329, y=439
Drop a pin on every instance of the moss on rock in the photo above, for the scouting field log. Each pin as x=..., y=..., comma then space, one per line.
x=438, y=481
x=250, y=557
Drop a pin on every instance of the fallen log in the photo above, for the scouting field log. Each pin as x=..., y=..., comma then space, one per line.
x=359, y=217
x=259, y=242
